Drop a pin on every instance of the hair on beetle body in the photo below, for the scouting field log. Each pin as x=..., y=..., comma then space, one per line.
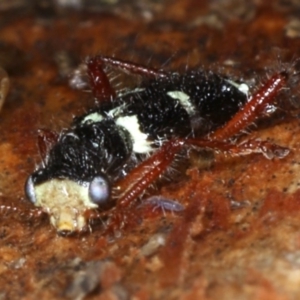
x=113, y=153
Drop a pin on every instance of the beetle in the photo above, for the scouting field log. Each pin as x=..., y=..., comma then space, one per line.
x=110, y=155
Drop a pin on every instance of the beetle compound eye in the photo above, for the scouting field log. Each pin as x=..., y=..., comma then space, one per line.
x=99, y=190
x=29, y=190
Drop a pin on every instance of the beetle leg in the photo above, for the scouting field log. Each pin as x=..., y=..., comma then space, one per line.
x=139, y=179
x=128, y=189
x=99, y=82
x=132, y=186
x=269, y=150
x=128, y=66
x=32, y=213
x=252, y=109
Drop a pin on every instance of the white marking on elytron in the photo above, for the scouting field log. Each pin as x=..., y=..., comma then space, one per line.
x=97, y=117
x=184, y=100
x=242, y=87
x=140, y=142
x=66, y=201
x=115, y=112
x=127, y=92
x=71, y=134
x=93, y=118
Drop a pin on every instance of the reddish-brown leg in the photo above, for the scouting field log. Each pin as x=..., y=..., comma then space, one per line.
x=139, y=179
x=32, y=213
x=269, y=150
x=252, y=109
x=99, y=82
x=133, y=185
x=129, y=66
